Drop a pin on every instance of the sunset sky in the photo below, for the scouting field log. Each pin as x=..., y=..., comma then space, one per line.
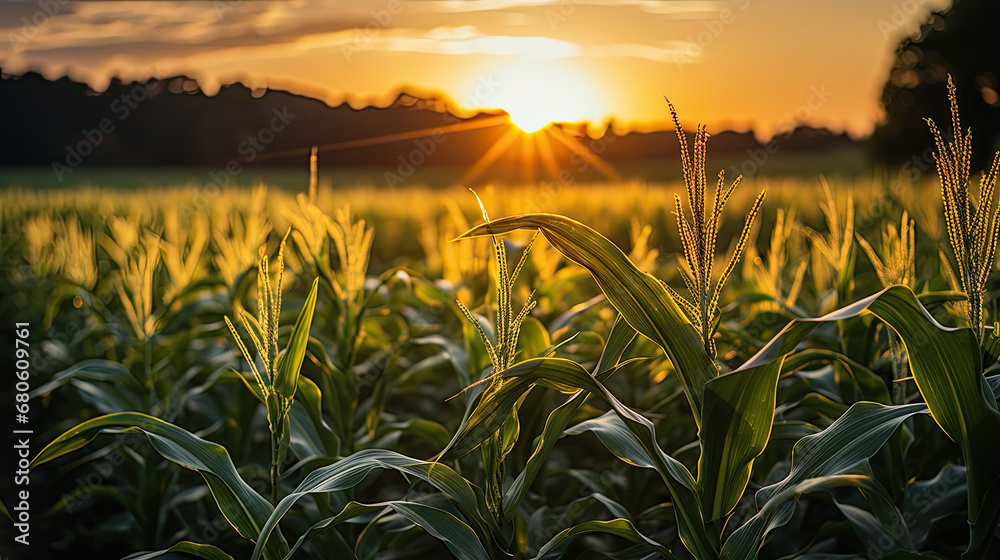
x=760, y=64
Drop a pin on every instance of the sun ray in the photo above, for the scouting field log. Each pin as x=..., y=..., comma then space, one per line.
x=490, y=156
x=529, y=158
x=397, y=137
x=546, y=154
x=593, y=159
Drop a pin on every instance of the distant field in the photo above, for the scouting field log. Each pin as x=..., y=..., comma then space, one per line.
x=407, y=218
x=848, y=164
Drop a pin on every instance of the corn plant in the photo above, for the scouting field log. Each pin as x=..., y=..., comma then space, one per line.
x=700, y=233
x=770, y=277
x=972, y=231
x=502, y=357
x=896, y=266
x=276, y=386
x=316, y=238
x=834, y=251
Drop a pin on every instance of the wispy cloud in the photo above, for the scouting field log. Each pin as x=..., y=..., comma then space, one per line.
x=670, y=52
x=663, y=7
x=467, y=40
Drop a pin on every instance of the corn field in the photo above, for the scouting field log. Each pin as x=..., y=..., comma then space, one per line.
x=706, y=371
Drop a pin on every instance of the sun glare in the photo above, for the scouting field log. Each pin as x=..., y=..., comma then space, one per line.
x=528, y=118
x=537, y=94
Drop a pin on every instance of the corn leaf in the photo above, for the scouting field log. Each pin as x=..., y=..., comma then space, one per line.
x=945, y=363
x=641, y=299
x=621, y=336
x=351, y=471
x=245, y=509
x=562, y=374
x=460, y=539
x=290, y=362
x=619, y=527
x=206, y=551
x=818, y=463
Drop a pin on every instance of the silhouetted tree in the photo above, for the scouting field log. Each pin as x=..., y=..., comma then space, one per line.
x=961, y=41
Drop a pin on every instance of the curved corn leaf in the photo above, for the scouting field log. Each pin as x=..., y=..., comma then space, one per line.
x=947, y=366
x=621, y=336
x=945, y=363
x=871, y=386
x=489, y=412
x=108, y=386
x=341, y=390
x=310, y=435
x=737, y=420
x=618, y=527
x=349, y=511
x=561, y=374
x=883, y=529
x=928, y=500
x=816, y=460
x=206, y=551
x=641, y=299
x=460, y=539
x=352, y=470
x=746, y=541
x=245, y=509
x=616, y=437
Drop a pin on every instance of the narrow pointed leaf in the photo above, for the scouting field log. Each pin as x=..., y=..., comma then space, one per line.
x=290, y=363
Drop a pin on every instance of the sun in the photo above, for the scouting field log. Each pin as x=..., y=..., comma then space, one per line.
x=536, y=94
x=529, y=118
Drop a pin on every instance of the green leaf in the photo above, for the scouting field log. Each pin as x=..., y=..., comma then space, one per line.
x=616, y=437
x=460, y=539
x=641, y=299
x=286, y=379
x=389, y=432
x=108, y=386
x=945, y=363
x=928, y=500
x=341, y=391
x=532, y=339
x=350, y=511
x=618, y=527
x=310, y=434
x=871, y=385
x=816, y=462
x=245, y=509
x=737, y=420
x=621, y=336
x=947, y=366
x=351, y=471
x=562, y=374
x=206, y=551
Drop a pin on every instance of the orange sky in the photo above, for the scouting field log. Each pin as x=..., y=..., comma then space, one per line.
x=761, y=64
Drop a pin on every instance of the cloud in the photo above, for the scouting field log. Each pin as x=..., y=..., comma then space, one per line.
x=661, y=7
x=672, y=51
x=466, y=40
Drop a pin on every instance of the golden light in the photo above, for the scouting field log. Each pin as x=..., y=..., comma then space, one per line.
x=537, y=93
x=529, y=119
